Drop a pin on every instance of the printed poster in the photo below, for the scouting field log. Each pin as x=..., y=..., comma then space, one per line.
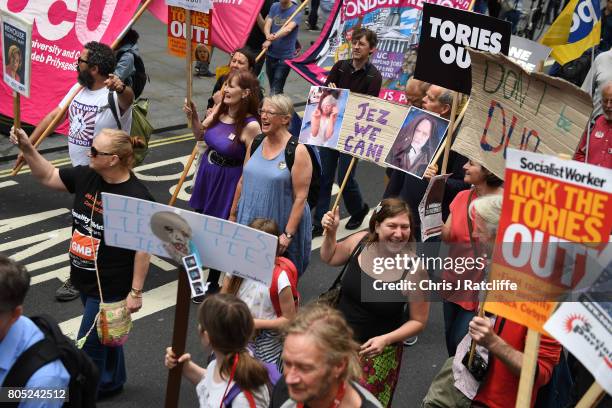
x=527, y=53
x=430, y=207
x=170, y=232
x=323, y=116
x=417, y=142
x=16, y=52
x=511, y=108
x=177, y=37
x=60, y=29
x=397, y=24
x=553, y=234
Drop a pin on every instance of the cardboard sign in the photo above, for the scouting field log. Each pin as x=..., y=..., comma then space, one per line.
x=16, y=52
x=446, y=34
x=584, y=328
x=416, y=143
x=527, y=53
x=430, y=207
x=323, y=116
x=512, y=108
x=166, y=231
x=556, y=217
x=203, y=6
x=177, y=38
x=369, y=127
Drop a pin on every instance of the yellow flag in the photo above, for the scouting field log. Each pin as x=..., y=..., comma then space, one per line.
x=577, y=28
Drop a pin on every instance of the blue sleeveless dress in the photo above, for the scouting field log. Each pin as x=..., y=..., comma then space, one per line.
x=267, y=192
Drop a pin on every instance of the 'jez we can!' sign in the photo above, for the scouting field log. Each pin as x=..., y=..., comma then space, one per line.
x=446, y=34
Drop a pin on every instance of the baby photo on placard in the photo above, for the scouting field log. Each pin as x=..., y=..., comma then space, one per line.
x=323, y=116
x=417, y=142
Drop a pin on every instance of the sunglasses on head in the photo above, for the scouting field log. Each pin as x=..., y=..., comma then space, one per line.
x=95, y=152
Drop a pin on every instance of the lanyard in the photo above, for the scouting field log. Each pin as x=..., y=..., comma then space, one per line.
x=233, y=372
x=337, y=399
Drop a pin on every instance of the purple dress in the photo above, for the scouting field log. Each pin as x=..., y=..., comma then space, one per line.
x=215, y=185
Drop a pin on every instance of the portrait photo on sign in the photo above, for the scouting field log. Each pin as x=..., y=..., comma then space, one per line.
x=16, y=49
x=417, y=142
x=323, y=116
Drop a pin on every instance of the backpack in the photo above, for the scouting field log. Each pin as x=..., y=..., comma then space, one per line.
x=273, y=374
x=576, y=71
x=139, y=78
x=83, y=372
x=284, y=264
x=140, y=125
x=315, y=181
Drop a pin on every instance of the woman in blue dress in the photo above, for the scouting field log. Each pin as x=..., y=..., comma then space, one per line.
x=268, y=189
x=227, y=131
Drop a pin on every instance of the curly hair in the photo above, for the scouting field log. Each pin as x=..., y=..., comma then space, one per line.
x=102, y=56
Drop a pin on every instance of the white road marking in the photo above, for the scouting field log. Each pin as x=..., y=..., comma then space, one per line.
x=8, y=183
x=45, y=241
x=18, y=222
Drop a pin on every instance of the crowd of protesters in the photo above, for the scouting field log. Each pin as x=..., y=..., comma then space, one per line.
x=344, y=354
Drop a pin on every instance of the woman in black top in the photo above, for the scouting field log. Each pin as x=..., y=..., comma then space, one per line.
x=122, y=272
x=377, y=316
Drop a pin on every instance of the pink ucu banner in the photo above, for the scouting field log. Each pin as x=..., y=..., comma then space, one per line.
x=61, y=28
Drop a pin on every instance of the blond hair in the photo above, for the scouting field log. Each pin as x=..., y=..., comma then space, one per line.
x=331, y=334
x=123, y=145
x=282, y=103
x=488, y=209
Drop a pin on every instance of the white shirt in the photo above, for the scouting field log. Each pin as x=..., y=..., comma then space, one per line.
x=210, y=392
x=257, y=296
x=88, y=114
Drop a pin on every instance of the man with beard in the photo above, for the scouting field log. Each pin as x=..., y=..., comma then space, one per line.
x=320, y=363
x=89, y=113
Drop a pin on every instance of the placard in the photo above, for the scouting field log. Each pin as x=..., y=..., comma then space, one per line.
x=369, y=127
x=556, y=219
x=510, y=108
x=323, y=116
x=170, y=232
x=16, y=52
x=416, y=143
x=527, y=53
x=430, y=207
x=446, y=34
x=177, y=38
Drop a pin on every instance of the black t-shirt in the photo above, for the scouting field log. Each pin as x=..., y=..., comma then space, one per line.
x=115, y=265
x=281, y=399
x=366, y=80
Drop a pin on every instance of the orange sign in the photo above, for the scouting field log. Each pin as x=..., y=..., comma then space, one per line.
x=177, y=36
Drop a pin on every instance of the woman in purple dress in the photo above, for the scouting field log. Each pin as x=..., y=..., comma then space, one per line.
x=227, y=132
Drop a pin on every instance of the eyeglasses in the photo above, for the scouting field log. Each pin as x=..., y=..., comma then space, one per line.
x=79, y=60
x=261, y=113
x=95, y=152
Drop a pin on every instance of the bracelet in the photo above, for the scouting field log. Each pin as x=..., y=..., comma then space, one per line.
x=137, y=291
x=135, y=294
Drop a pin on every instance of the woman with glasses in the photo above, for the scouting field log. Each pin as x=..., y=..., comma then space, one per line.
x=267, y=189
x=122, y=272
x=227, y=131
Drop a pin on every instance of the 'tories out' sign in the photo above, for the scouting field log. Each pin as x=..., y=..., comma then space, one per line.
x=446, y=34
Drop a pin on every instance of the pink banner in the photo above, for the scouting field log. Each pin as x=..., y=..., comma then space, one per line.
x=61, y=28
x=232, y=21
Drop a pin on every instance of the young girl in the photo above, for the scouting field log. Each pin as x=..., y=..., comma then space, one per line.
x=267, y=345
x=225, y=323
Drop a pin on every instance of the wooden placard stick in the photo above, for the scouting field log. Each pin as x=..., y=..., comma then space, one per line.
x=346, y=177
x=449, y=137
x=16, y=110
x=592, y=397
x=183, y=176
x=188, y=62
x=62, y=112
x=473, y=346
x=530, y=363
x=450, y=132
x=290, y=19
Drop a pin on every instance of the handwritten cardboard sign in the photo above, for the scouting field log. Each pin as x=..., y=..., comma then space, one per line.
x=16, y=52
x=137, y=224
x=177, y=36
x=527, y=53
x=446, y=34
x=556, y=218
x=510, y=108
x=369, y=127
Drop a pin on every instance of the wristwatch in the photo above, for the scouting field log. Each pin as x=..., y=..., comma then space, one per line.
x=288, y=235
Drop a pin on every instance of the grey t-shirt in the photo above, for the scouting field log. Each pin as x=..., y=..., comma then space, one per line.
x=600, y=73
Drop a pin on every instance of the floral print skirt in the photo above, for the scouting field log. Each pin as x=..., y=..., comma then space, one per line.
x=380, y=373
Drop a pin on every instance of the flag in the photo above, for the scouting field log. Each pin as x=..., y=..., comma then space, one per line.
x=577, y=29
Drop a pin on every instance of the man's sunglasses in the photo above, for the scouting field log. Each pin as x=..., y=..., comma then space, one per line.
x=95, y=152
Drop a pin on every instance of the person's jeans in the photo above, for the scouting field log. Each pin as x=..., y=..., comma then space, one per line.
x=330, y=159
x=513, y=16
x=456, y=321
x=109, y=360
x=313, y=13
x=277, y=72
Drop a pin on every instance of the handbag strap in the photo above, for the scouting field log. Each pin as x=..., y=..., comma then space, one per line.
x=356, y=251
x=93, y=247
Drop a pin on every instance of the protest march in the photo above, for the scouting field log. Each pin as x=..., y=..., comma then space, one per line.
x=317, y=203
